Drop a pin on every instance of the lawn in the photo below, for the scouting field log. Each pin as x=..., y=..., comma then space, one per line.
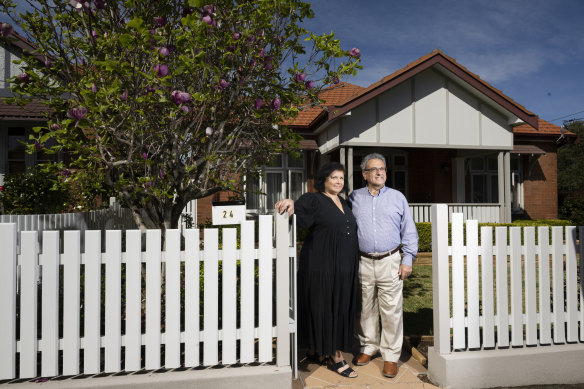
x=417, y=305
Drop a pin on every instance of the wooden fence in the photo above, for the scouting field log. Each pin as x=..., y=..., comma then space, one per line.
x=517, y=309
x=207, y=304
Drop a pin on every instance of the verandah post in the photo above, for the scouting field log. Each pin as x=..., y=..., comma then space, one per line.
x=440, y=278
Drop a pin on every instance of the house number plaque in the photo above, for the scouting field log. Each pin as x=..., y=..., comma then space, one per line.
x=228, y=212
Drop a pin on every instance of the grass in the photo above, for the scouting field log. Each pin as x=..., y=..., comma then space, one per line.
x=417, y=303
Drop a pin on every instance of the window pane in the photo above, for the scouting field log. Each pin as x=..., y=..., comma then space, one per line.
x=400, y=181
x=492, y=164
x=252, y=196
x=399, y=160
x=296, y=182
x=273, y=189
x=276, y=162
x=296, y=162
x=16, y=150
x=479, y=190
x=477, y=164
x=494, y=189
x=515, y=164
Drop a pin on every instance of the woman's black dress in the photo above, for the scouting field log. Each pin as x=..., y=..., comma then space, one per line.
x=327, y=274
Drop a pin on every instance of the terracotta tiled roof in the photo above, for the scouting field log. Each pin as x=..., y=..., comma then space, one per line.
x=545, y=128
x=32, y=111
x=332, y=95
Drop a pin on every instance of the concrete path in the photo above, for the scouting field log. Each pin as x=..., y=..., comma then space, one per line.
x=411, y=375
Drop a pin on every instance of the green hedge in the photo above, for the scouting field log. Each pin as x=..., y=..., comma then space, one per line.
x=425, y=230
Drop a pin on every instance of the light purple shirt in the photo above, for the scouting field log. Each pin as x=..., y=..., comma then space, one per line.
x=384, y=222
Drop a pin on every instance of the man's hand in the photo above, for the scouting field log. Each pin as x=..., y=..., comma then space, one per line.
x=285, y=205
x=404, y=271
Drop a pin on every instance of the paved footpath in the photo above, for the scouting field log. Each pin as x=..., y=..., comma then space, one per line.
x=411, y=375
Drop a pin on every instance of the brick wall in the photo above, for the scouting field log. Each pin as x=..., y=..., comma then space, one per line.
x=540, y=183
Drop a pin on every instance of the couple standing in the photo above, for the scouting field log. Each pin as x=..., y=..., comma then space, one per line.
x=332, y=258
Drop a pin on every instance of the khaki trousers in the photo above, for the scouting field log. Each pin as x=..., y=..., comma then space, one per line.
x=381, y=296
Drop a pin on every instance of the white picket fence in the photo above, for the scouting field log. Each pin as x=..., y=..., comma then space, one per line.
x=136, y=332
x=506, y=300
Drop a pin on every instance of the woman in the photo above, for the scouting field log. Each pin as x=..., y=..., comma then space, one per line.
x=327, y=271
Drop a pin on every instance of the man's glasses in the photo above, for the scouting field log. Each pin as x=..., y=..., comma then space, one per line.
x=376, y=169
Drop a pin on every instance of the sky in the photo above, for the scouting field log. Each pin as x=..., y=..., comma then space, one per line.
x=531, y=50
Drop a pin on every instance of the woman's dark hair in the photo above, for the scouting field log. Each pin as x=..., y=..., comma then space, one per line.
x=324, y=172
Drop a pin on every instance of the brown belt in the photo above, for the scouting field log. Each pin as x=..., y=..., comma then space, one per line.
x=380, y=256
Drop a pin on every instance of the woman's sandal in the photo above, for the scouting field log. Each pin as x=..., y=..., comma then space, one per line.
x=335, y=366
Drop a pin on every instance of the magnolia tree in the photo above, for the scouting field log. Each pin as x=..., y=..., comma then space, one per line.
x=174, y=99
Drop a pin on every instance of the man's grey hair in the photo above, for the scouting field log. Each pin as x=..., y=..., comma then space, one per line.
x=371, y=156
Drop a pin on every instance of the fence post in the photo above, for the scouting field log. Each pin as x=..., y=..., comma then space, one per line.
x=440, y=278
x=282, y=290
x=8, y=301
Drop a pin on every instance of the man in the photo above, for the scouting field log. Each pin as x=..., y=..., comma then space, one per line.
x=384, y=224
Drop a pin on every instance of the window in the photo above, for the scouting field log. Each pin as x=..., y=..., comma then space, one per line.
x=283, y=178
x=397, y=171
x=16, y=150
x=484, y=180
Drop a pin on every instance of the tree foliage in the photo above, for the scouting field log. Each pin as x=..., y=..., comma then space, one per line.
x=174, y=99
x=570, y=175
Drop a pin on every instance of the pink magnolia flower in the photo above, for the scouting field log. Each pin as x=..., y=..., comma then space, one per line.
x=207, y=20
x=185, y=108
x=223, y=84
x=236, y=36
x=93, y=88
x=23, y=77
x=159, y=21
x=144, y=155
x=258, y=103
x=355, y=52
x=208, y=9
x=77, y=113
x=55, y=126
x=250, y=38
x=6, y=29
x=94, y=34
x=276, y=104
x=37, y=145
x=180, y=97
x=262, y=52
x=161, y=70
x=300, y=77
x=124, y=95
x=309, y=84
x=164, y=51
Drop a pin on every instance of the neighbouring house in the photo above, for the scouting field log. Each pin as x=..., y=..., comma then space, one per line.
x=448, y=136
x=16, y=122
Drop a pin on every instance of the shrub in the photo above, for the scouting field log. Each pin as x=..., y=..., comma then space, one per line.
x=34, y=192
x=572, y=208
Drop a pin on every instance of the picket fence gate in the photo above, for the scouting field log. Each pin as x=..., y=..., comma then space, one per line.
x=506, y=300
x=135, y=332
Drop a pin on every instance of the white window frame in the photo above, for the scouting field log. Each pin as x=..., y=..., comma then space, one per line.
x=286, y=175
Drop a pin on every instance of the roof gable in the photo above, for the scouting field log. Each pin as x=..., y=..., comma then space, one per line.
x=436, y=57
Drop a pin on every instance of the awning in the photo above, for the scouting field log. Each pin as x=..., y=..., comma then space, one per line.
x=527, y=150
x=308, y=144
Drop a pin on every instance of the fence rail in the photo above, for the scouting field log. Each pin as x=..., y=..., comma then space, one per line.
x=484, y=213
x=178, y=307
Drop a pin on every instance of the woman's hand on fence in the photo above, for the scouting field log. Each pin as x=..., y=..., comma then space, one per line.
x=286, y=205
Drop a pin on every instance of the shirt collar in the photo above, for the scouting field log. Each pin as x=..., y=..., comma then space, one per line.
x=379, y=192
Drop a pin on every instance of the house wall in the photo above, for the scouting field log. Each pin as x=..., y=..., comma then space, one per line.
x=540, y=184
